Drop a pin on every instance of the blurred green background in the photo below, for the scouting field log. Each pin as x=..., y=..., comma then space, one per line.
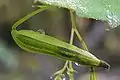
x=17, y=64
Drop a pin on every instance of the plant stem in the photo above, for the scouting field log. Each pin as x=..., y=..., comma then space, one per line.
x=61, y=71
x=68, y=64
x=69, y=67
x=28, y=16
x=92, y=73
x=71, y=71
x=84, y=46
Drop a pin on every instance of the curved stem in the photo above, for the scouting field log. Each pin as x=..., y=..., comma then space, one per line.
x=84, y=46
x=68, y=64
x=76, y=31
x=61, y=71
x=28, y=16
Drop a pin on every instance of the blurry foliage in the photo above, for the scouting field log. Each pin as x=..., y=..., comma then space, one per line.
x=7, y=58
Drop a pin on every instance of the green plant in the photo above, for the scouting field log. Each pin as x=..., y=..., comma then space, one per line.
x=105, y=10
x=35, y=42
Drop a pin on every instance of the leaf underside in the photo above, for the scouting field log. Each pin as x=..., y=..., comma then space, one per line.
x=105, y=10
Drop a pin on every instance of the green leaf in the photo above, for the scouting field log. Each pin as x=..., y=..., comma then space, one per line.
x=106, y=10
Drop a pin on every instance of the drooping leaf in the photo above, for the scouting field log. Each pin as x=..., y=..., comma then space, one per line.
x=106, y=10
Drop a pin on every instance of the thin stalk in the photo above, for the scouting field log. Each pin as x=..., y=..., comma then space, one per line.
x=28, y=16
x=61, y=71
x=92, y=73
x=84, y=46
x=71, y=71
x=66, y=66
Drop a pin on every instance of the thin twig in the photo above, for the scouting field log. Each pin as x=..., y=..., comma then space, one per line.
x=84, y=46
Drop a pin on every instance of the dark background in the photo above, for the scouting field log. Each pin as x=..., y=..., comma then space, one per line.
x=17, y=64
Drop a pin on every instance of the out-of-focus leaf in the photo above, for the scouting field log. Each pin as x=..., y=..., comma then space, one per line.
x=106, y=10
x=8, y=59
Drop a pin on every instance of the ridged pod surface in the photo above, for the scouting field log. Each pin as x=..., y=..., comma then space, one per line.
x=40, y=43
x=35, y=42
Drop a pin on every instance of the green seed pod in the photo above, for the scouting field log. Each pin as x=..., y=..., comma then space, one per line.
x=35, y=42
x=40, y=43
